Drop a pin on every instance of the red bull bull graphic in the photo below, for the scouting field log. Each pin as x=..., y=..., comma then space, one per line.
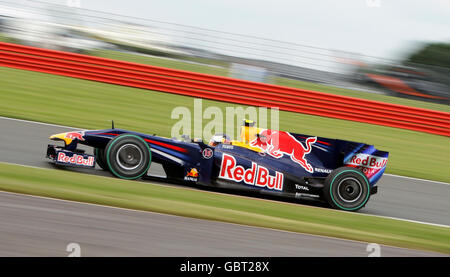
x=75, y=135
x=369, y=164
x=75, y=159
x=257, y=175
x=279, y=143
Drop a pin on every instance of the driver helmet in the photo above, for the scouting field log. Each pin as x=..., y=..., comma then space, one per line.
x=219, y=138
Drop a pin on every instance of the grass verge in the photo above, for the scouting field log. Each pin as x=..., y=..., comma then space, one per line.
x=92, y=105
x=221, y=207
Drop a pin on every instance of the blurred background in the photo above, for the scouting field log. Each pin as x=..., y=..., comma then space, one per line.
x=417, y=70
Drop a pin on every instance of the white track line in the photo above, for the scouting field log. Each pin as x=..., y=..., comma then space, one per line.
x=62, y=126
x=417, y=179
x=39, y=123
x=239, y=196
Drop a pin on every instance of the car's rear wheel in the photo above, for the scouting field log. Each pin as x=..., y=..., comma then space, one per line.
x=128, y=156
x=347, y=188
x=99, y=154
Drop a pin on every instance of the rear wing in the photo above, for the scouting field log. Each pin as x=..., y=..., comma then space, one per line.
x=370, y=160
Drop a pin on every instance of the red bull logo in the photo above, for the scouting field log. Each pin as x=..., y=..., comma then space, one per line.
x=75, y=159
x=193, y=173
x=257, y=175
x=279, y=143
x=75, y=135
x=369, y=164
x=367, y=161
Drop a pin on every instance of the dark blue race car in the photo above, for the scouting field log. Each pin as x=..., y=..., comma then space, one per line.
x=342, y=173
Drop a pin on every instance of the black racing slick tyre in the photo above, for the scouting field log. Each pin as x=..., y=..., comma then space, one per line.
x=128, y=156
x=99, y=154
x=346, y=188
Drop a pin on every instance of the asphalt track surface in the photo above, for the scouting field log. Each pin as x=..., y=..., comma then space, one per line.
x=43, y=227
x=35, y=226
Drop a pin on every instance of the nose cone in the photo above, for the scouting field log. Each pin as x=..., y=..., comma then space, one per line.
x=68, y=137
x=61, y=136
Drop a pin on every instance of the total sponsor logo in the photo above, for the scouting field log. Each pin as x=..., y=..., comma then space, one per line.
x=301, y=187
x=257, y=175
x=75, y=159
x=369, y=164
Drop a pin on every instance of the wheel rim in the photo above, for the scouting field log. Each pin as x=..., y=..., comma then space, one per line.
x=129, y=157
x=349, y=189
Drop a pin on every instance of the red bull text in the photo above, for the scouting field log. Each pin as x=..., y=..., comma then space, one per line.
x=257, y=175
x=279, y=143
x=369, y=164
x=75, y=159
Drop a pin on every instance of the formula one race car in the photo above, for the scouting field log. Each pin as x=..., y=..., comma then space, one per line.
x=341, y=173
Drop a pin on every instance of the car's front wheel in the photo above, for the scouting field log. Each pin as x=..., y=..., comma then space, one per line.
x=128, y=156
x=347, y=188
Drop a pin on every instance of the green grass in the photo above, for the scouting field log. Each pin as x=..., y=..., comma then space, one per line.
x=4, y=38
x=222, y=207
x=92, y=105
